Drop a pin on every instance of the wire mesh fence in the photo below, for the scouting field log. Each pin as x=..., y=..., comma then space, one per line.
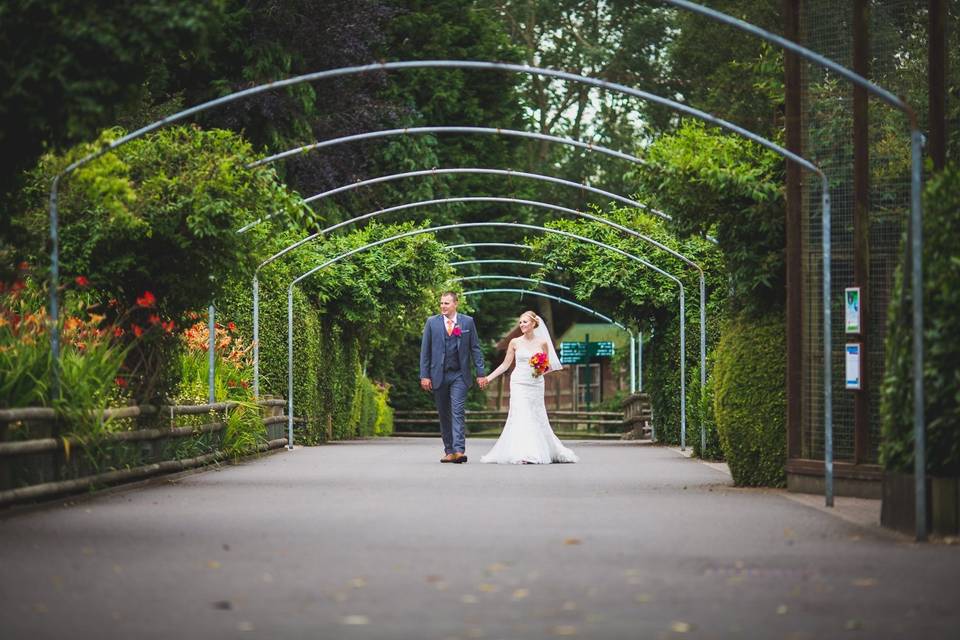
x=897, y=59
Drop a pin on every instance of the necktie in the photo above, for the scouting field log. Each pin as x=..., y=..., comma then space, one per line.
x=449, y=326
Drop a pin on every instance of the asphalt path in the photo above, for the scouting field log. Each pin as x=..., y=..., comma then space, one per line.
x=376, y=539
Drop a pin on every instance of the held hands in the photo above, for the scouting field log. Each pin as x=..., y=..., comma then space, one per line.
x=482, y=382
x=426, y=384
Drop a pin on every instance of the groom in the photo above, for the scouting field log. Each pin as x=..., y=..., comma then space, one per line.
x=448, y=340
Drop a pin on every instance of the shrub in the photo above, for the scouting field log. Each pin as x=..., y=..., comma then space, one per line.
x=941, y=302
x=701, y=412
x=750, y=399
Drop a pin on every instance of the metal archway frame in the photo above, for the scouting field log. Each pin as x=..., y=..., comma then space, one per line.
x=915, y=226
x=545, y=283
x=465, y=225
x=633, y=339
x=533, y=203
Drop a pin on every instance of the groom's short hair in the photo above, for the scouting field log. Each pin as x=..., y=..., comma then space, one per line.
x=452, y=294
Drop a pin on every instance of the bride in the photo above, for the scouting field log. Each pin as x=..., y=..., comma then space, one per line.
x=527, y=437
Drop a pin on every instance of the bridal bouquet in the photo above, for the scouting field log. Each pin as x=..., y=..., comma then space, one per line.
x=540, y=364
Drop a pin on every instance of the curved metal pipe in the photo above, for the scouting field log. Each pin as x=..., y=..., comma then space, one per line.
x=545, y=283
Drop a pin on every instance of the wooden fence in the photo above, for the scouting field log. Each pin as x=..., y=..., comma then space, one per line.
x=41, y=467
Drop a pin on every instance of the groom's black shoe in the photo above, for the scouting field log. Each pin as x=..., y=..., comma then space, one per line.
x=459, y=458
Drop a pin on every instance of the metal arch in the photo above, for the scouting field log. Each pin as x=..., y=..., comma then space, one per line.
x=534, y=203
x=589, y=146
x=484, y=171
x=531, y=263
x=467, y=245
x=545, y=283
x=464, y=225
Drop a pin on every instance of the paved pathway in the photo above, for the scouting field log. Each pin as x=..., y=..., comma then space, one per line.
x=378, y=540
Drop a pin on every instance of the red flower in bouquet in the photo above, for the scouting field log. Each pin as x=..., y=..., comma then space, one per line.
x=539, y=364
x=456, y=332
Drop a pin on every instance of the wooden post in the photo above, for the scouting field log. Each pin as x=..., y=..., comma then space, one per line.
x=794, y=239
x=937, y=65
x=861, y=225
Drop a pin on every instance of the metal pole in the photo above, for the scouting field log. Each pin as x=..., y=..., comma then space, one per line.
x=53, y=321
x=640, y=363
x=633, y=364
x=683, y=373
x=290, y=367
x=211, y=355
x=827, y=350
x=916, y=273
x=703, y=361
x=256, y=337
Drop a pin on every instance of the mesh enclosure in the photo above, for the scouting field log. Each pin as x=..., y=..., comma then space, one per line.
x=898, y=59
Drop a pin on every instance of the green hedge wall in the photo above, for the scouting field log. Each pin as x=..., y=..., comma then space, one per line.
x=941, y=372
x=700, y=409
x=749, y=386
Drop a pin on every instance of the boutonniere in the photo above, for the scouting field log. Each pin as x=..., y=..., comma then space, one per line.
x=456, y=332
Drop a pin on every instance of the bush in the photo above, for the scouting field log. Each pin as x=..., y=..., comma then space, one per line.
x=750, y=399
x=941, y=302
x=700, y=411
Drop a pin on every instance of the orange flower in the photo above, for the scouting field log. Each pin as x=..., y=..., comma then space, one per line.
x=147, y=300
x=168, y=326
x=154, y=319
x=137, y=330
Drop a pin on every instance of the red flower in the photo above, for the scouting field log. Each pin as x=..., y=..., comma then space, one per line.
x=117, y=332
x=137, y=330
x=82, y=281
x=168, y=326
x=154, y=319
x=120, y=382
x=23, y=266
x=456, y=332
x=146, y=300
x=113, y=302
x=231, y=326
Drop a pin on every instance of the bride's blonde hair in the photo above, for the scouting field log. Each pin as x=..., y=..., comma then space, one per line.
x=532, y=317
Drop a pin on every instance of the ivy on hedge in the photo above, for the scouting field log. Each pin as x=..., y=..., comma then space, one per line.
x=749, y=385
x=941, y=374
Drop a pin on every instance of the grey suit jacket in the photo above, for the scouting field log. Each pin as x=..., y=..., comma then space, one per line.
x=432, y=353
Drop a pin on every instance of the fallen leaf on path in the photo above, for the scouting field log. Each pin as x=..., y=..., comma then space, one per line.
x=572, y=541
x=782, y=610
x=520, y=594
x=486, y=587
x=681, y=627
x=468, y=599
x=244, y=626
x=434, y=579
x=565, y=630
x=569, y=606
x=213, y=564
x=496, y=567
x=853, y=624
x=642, y=598
x=865, y=582
x=355, y=620
x=358, y=583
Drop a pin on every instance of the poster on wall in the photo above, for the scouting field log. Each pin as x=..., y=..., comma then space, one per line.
x=852, y=376
x=852, y=306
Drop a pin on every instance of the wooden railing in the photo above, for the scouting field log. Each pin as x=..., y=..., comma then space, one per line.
x=477, y=420
x=41, y=467
x=638, y=418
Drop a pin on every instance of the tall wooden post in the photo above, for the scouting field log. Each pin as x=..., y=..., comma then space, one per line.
x=861, y=224
x=794, y=239
x=937, y=65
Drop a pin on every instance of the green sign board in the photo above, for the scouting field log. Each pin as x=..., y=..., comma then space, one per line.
x=577, y=352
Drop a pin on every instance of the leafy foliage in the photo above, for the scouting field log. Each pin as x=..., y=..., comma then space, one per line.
x=941, y=376
x=749, y=402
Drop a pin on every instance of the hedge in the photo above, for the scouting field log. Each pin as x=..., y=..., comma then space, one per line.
x=749, y=384
x=941, y=304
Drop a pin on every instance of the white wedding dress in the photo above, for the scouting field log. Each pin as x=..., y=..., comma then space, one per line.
x=527, y=436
